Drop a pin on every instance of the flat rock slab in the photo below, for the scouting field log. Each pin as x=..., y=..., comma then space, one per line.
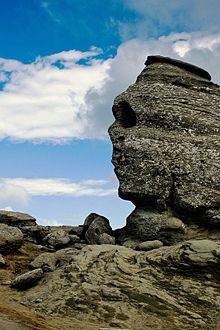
x=7, y=323
x=16, y=219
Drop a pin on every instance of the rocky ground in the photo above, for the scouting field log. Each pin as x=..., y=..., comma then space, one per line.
x=95, y=286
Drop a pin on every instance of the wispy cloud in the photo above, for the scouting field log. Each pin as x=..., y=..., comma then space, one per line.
x=56, y=187
x=69, y=95
x=11, y=194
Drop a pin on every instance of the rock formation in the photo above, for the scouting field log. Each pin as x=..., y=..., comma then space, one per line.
x=166, y=144
x=162, y=270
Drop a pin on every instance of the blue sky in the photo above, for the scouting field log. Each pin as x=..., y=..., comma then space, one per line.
x=62, y=62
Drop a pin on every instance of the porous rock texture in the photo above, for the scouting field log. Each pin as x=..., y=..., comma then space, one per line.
x=166, y=140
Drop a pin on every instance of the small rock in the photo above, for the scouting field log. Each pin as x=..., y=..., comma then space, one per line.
x=11, y=238
x=97, y=226
x=106, y=239
x=74, y=239
x=77, y=230
x=50, y=261
x=27, y=280
x=57, y=239
x=131, y=244
x=149, y=245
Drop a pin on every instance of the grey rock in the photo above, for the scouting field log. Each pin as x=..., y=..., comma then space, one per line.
x=74, y=239
x=150, y=225
x=35, y=234
x=191, y=256
x=57, y=239
x=49, y=261
x=11, y=238
x=172, y=287
x=106, y=239
x=131, y=243
x=149, y=245
x=97, y=225
x=89, y=219
x=27, y=280
x=165, y=137
x=77, y=230
x=17, y=219
x=2, y=261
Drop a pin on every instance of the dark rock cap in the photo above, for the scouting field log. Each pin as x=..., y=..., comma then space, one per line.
x=183, y=65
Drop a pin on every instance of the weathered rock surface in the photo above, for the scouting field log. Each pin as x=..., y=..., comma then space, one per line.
x=95, y=226
x=150, y=225
x=166, y=140
x=174, y=287
x=49, y=261
x=27, y=280
x=17, y=219
x=57, y=239
x=149, y=245
x=11, y=238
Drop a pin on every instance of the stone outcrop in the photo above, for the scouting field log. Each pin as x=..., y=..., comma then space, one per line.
x=98, y=230
x=166, y=141
x=175, y=287
x=11, y=238
x=16, y=219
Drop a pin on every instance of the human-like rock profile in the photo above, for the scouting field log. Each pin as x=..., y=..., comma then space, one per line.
x=166, y=141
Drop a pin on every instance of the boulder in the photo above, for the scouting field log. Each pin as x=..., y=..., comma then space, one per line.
x=106, y=239
x=17, y=219
x=49, y=261
x=11, y=238
x=27, y=280
x=57, y=239
x=96, y=225
x=149, y=245
x=165, y=137
x=148, y=225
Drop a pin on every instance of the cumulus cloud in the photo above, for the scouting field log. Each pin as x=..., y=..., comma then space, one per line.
x=70, y=94
x=45, y=99
x=57, y=187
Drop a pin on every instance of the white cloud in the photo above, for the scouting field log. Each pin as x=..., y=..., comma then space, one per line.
x=12, y=194
x=7, y=208
x=58, y=187
x=50, y=222
x=69, y=95
x=45, y=99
